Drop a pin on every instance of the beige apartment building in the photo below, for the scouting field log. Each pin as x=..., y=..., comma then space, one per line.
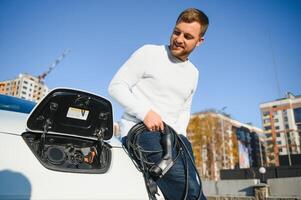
x=220, y=142
x=25, y=86
x=281, y=121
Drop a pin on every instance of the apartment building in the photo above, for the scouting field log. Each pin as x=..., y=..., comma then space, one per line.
x=281, y=121
x=25, y=86
x=220, y=142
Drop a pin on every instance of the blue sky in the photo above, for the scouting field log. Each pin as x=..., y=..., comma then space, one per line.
x=245, y=43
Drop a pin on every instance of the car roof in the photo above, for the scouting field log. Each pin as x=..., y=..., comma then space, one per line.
x=15, y=104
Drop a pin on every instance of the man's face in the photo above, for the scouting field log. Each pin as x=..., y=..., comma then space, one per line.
x=185, y=37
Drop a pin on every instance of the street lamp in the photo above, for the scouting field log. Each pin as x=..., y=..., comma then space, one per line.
x=262, y=172
x=262, y=169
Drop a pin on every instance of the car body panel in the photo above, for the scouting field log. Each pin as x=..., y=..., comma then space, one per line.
x=22, y=176
x=122, y=181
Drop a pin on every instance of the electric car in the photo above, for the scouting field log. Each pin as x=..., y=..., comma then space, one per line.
x=64, y=148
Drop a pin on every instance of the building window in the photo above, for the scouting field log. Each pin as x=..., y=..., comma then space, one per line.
x=266, y=113
x=297, y=114
x=277, y=127
x=25, y=82
x=267, y=128
x=278, y=134
x=24, y=87
x=276, y=120
x=268, y=135
x=265, y=121
x=23, y=92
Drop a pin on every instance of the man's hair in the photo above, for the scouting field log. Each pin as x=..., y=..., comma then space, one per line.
x=194, y=15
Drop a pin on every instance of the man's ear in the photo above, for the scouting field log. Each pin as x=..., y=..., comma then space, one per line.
x=201, y=40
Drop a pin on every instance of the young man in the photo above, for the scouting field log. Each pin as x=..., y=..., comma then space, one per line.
x=157, y=84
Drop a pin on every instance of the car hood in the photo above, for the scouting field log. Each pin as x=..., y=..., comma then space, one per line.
x=12, y=122
x=73, y=112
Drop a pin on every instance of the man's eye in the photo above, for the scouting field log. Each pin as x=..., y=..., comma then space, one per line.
x=176, y=32
x=188, y=37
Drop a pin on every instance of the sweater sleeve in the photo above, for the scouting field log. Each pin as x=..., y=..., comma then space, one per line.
x=184, y=115
x=120, y=88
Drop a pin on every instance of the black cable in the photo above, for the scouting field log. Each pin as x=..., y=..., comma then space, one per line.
x=191, y=160
x=193, y=164
x=137, y=154
x=186, y=174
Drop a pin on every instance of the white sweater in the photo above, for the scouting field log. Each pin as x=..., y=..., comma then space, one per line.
x=152, y=78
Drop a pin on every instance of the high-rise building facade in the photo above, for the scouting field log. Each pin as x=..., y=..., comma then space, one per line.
x=25, y=86
x=220, y=142
x=281, y=121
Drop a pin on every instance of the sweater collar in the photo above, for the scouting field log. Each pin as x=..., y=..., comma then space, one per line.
x=172, y=57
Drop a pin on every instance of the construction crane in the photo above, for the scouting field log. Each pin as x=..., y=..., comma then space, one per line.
x=42, y=76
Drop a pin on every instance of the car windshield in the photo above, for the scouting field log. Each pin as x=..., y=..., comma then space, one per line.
x=15, y=104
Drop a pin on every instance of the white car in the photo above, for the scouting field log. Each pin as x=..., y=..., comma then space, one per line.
x=64, y=149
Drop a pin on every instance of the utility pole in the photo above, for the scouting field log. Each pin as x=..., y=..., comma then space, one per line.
x=223, y=136
x=260, y=151
x=275, y=67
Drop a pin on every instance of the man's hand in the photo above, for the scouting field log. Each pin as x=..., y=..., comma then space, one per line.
x=153, y=121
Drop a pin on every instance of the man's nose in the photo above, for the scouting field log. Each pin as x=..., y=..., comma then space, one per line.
x=180, y=39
